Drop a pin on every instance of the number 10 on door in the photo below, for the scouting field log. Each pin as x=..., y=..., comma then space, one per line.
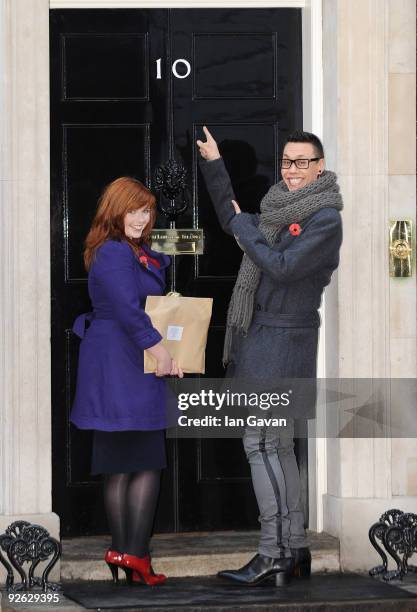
x=174, y=68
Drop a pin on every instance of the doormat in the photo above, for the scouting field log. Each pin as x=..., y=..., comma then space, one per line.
x=339, y=591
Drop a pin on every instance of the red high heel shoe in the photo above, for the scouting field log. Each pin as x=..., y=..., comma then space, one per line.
x=139, y=569
x=114, y=560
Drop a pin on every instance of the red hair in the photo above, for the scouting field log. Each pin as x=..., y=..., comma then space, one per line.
x=118, y=198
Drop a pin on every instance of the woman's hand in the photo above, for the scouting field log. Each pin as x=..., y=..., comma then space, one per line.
x=165, y=365
x=176, y=370
x=236, y=207
x=163, y=359
x=209, y=149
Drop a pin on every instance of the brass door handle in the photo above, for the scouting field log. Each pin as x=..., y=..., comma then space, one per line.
x=400, y=248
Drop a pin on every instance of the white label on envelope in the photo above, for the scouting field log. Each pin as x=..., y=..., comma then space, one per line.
x=174, y=332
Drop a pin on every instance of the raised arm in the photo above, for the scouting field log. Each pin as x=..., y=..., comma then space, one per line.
x=218, y=181
x=220, y=189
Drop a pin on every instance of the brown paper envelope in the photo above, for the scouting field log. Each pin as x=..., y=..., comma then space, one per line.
x=183, y=323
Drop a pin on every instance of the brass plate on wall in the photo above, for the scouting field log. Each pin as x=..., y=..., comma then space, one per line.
x=400, y=248
x=178, y=241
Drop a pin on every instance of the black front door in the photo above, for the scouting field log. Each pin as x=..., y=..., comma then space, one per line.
x=129, y=90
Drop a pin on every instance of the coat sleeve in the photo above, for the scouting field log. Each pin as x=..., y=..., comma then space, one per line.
x=220, y=189
x=315, y=249
x=114, y=269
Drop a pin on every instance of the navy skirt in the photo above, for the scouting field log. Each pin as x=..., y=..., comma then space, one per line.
x=120, y=452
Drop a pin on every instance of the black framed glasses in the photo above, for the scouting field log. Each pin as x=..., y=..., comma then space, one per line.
x=302, y=164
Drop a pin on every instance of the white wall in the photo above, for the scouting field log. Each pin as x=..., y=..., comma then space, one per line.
x=25, y=404
x=369, y=129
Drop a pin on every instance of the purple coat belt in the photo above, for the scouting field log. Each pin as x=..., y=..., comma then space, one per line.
x=79, y=327
x=113, y=393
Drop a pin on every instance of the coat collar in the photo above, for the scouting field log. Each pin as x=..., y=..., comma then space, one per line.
x=164, y=260
x=158, y=273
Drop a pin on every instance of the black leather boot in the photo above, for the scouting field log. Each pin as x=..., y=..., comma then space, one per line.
x=302, y=562
x=261, y=568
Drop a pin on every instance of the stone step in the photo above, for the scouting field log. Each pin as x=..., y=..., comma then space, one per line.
x=188, y=554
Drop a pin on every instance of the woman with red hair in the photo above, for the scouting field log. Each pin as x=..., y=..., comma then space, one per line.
x=124, y=406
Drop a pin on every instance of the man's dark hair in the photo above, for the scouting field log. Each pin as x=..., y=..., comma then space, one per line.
x=300, y=136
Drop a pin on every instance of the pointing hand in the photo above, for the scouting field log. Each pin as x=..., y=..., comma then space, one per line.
x=209, y=149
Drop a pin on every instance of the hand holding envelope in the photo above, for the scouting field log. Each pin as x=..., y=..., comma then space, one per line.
x=183, y=323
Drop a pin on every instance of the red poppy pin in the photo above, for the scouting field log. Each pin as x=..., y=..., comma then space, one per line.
x=295, y=229
x=144, y=261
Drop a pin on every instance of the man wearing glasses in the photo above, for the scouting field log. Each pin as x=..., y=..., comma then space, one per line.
x=290, y=251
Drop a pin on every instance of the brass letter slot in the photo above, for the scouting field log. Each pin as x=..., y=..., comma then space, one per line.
x=400, y=248
x=178, y=241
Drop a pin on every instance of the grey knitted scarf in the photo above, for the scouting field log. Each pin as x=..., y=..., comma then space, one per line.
x=279, y=207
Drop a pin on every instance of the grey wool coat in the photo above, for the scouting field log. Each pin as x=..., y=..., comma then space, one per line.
x=282, y=340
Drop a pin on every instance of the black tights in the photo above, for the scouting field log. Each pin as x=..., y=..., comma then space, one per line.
x=130, y=501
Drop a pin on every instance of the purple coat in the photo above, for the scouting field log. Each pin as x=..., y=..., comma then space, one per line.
x=113, y=393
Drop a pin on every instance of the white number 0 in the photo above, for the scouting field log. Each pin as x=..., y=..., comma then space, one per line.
x=174, y=68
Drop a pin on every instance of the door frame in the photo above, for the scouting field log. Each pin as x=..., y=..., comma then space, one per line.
x=312, y=37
